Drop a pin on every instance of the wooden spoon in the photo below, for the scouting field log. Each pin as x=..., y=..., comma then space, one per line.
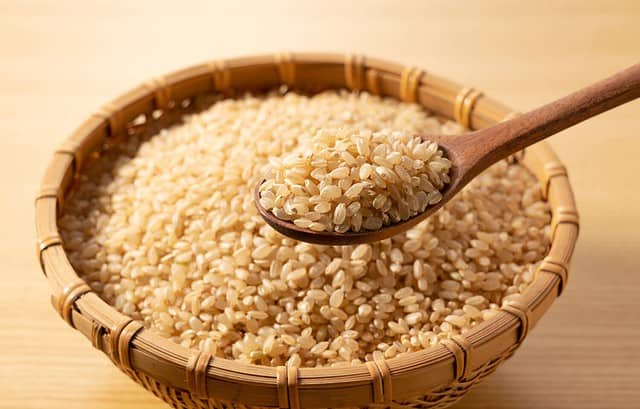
x=474, y=152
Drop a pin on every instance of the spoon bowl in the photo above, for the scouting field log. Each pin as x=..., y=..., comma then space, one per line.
x=446, y=143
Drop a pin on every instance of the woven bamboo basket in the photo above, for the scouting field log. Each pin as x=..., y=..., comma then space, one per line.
x=185, y=378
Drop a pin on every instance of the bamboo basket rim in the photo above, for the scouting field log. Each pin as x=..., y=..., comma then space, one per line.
x=313, y=387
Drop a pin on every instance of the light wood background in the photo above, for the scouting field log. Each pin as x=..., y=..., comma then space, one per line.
x=59, y=61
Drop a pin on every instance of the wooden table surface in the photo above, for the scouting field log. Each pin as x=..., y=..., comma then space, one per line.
x=59, y=62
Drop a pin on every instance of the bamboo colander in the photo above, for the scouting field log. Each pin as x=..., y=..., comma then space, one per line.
x=186, y=378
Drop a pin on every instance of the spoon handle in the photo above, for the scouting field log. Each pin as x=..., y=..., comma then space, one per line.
x=508, y=137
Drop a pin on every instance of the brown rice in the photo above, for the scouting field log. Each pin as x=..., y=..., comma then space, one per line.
x=166, y=231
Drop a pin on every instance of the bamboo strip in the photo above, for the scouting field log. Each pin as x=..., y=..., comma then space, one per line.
x=124, y=339
x=545, y=165
x=292, y=387
x=286, y=66
x=551, y=170
x=70, y=293
x=409, y=82
x=58, y=177
x=563, y=215
x=110, y=113
x=562, y=246
x=57, y=269
x=376, y=380
x=385, y=66
x=544, y=291
x=354, y=72
x=119, y=347
x=283, y=387
x=385, y=376
x=46, y=227
x=373, y=81
x=84, y=141
x=438, y=95
x=220, y=75
x=96, y=336
x=492, y=340
x=468, y=106
x=190, y=82
x=459, y=102
x=487, y=112
x=161, y=92
x=560, y=270
x=459, y=358
x=196, y=374
x=520, y=311
x=560, y=253
x=561, y=198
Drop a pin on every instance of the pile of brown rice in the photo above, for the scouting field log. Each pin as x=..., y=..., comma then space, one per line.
x=166, y=231
x=355, y=179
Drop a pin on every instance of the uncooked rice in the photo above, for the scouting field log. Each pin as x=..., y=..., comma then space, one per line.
x=352, y=179
x=164, y=228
